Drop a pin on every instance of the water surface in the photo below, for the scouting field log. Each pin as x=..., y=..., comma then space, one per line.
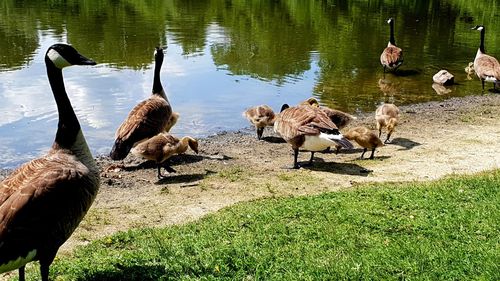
x=224, y=56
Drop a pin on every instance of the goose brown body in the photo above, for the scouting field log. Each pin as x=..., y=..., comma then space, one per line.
x=163, y=146
x=339, y=118
x=392, y=56
x=43, y=201
x=309, y=128
x=387, y=116
x=487, y=68
x=365, y=138
x=146, y=119
x=260, y=116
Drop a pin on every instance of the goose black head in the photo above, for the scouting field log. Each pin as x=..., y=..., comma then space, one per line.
x=390, y=20
x=284, y=106
x=478, y=27
x=63, y=55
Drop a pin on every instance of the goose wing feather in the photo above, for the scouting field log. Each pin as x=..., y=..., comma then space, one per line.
x=391, y=56
x=302, y=120
x=37, y=206
x=146, y=119
x=487, y=66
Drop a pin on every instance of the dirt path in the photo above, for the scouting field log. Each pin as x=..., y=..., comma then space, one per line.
x=433, y=140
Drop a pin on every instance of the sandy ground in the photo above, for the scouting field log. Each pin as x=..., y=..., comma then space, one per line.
x=457, y=136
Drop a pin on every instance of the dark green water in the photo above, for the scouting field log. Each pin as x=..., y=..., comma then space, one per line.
x=224, y=56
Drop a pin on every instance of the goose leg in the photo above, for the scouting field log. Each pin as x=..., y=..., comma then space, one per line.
x=45, y=264
x=295, y=156
x=362, y=154
x=21, y=274
x=482, y=81
x=166, y=167
x=260, y=131
x=388, y=137
x=311, y=159
x=373, y=152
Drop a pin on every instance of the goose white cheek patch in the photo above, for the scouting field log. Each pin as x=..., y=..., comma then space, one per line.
x=58, y=60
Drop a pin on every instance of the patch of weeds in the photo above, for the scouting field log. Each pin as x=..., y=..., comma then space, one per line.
x=232, y=174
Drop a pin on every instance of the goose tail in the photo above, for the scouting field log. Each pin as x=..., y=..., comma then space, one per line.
x=342, y=141
x=120, y=150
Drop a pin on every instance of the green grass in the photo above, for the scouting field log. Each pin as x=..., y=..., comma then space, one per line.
x=443, y=230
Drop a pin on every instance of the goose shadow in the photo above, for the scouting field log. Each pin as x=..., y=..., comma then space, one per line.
x=339, y=168
x=406, y=72
x=406, y=144
x=174, y=160
x=183, y=178
x=272, y=139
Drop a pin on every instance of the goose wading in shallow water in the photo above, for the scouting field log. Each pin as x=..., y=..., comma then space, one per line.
x=392, y=56
x=308, y=128
x=163, y=146
x=486, y=67
x=147, y=119
x=43, y=201
x=260, y=117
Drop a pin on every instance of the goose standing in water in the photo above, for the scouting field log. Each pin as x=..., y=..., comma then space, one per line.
x=260, y=116
x=43, y=201
x=392, y=56
x=163, y=146
x=146, y=119
x=309, y=128
x=486, y=67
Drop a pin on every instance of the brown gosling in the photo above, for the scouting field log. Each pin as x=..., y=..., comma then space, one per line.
x=260, y=116
x=146, y=119
x=469, y=69
x=365, y=138
x=392, y=56
x=387, y=116
x=487, y=68
x=43, y=201
x=308, y=128
x=163, y=146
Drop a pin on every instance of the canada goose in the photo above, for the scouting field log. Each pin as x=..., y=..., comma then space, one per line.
x=43, y=201
x=260, y=116
x=365, y=138
x=387, y=115
x=486, y=67
x=469, y=69
x=163, y=146
x=307, y=127
x=392, y=56
x=339, y=118
x=146, y=119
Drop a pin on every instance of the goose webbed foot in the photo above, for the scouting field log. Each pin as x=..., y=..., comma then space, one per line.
x=167, y=168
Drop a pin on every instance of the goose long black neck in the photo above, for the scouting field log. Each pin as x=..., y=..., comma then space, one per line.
x=68, y=126
x=391, y=39
x=481, y=47
x=157, y=87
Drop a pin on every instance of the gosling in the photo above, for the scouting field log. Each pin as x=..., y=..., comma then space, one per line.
x=365, y=138
x=260, y=116
x=387, y=116
x=161, y=147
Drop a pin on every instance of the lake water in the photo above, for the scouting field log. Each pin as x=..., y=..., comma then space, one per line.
x=223, y=57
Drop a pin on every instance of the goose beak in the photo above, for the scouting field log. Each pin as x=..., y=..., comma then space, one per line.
x=85, y=61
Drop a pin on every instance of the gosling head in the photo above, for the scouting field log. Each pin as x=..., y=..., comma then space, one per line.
x=63, y=55
x=193, y=144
